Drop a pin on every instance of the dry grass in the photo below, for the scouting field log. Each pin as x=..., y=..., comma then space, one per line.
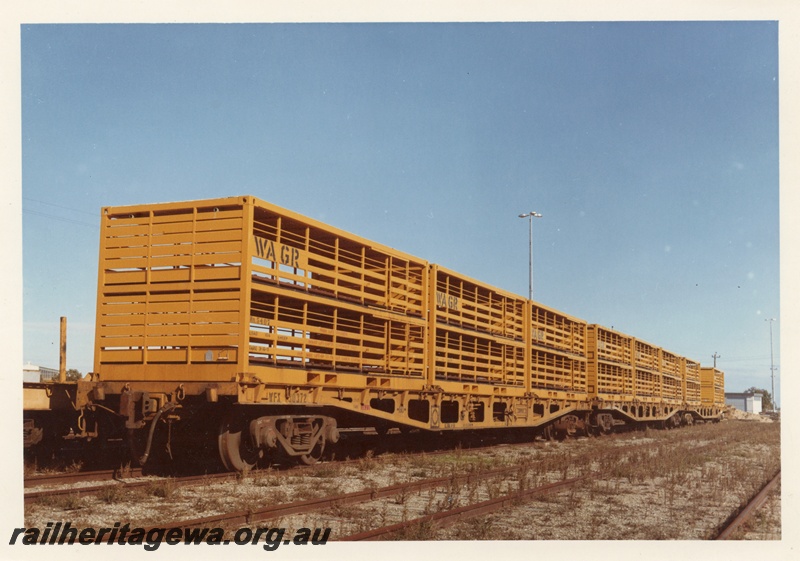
x=680, y=486
x=162, y=488
x=694, y=475
x=111, y=494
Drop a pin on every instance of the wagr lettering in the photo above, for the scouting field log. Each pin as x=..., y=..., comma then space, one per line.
x=444, y=300
x=283, y=254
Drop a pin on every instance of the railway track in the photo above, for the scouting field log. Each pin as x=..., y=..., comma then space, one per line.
x=314, y=505
x=34, y=496
x=456, y=515
x=271, y=512
x=80, y=477
x=122, y=477
x=740, y=519
x=454, y=489
x=126, y=478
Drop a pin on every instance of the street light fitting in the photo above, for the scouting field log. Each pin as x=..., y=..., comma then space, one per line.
x=530, y=216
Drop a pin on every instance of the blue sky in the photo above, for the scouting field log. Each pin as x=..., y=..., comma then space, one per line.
x=651, y=149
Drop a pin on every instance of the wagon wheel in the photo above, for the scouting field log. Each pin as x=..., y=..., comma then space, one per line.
x=315, y=455
x=234, y=448
x=547, y=432
x=316, y=452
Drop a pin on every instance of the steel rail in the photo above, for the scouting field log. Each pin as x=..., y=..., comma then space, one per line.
x=121, y=483
x=452, y=516
x=309, y=505
x=120, y=474
x=114, y=475
x=244, y=517
x=315, y=504
x=117, y=476
x=749, y=509
x=80, y=477
x=449, y=517
x=312, y=505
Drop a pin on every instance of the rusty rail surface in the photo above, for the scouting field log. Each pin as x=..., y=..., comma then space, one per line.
x=749, y=509
x=250, y=516
x=80, y=477
x=114, y=475
x=312, y=505
x=455, y=515
x=82, y=491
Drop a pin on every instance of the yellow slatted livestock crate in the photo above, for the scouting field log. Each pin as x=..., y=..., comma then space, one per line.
x=610, y=371
x=648, y=370
x=555, y=371
x=479, y=331
x=208, y=289
x=551, y=329
x=692, y=389
x=558, y=351
x=171, y=290
x=672, y=376
x=712, y=388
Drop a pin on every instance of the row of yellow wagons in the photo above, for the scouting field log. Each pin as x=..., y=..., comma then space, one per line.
x=273, y=332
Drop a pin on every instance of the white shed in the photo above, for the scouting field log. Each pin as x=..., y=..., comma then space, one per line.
x=748, y=402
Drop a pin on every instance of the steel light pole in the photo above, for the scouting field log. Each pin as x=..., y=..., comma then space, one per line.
x=771, y=361
x=530, y=216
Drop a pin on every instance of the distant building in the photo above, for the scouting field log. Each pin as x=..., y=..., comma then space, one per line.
x=747, y=402
x=33, y=373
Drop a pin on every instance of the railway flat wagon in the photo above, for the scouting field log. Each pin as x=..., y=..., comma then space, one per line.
x=47, y=408
x=559, y=371
x=285, y=330
x=237, y=302
x=275, y=332
x=635, y=380
x=477, y=350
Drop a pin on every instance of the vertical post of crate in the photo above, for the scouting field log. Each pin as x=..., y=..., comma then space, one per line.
x=527, y=313
x=245, y=285
x=683, y=380
x=101, y=281
x=430, y=288
x=425, y=303
x=632, y=364
x=147, y=277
